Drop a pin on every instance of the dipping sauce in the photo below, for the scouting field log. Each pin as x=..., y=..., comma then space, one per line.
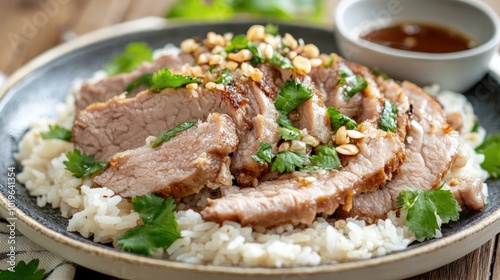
x=420, y=37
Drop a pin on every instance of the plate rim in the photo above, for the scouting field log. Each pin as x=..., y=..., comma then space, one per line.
x=489, y=223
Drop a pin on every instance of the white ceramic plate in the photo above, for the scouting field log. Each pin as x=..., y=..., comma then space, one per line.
x=34, y=90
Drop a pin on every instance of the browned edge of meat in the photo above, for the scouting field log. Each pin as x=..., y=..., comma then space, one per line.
x=179, y=167
x=112, y=86
x=298, y=197
x=431, y=147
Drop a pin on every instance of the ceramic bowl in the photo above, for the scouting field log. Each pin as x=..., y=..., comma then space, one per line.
x=457, y=71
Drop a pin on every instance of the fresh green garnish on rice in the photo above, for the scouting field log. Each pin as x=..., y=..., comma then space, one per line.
x=326, y=158
x=57, y=132
x=490, y=148
x=424, y=207
x=281, y=61
x=133, y=55
x=23, y=270
x=165, y=79
x=82, y=165
x=160, y=228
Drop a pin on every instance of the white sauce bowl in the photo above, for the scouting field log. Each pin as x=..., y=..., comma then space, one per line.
x=456, y=71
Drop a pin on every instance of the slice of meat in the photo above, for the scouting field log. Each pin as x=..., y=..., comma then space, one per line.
x=264, y=129
x=365, y=105
x=431, y=148
x=179, y=167
x=115, y=85
x=468, y=193
x=104, y=129
x=312, y=113
x=298, y=197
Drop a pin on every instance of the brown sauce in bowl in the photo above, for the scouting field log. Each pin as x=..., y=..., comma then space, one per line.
x=419, y=37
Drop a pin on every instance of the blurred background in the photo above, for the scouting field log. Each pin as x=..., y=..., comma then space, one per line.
x=29, y=27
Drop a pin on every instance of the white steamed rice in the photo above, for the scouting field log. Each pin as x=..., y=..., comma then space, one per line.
x=99, y=214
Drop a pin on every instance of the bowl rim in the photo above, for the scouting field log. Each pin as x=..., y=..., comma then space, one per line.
x=491, y=44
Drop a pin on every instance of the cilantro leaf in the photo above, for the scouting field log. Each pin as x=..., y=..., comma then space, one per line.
x=283, y=120
x=237, y=43
x=351, y=83
x=264, y=154
x=142, y=80
x=291, y=95
x=423, y=206
x=490, y=148
x=160, y=228
x=281, y=61
x=225, y=78
x=25, y=271
x=326, y=158
x=338, y=120
x=165, y=137
x=57, y=132
x=272, y=29
x=388, y=120
x=81, y=164
x=165, y=79
x=256, y=55
x=289, y=133
x=377, y=72
x=330, y=61
x=287, y=161
x=133, y=56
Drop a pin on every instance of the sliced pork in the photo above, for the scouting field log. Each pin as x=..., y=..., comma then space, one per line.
x=115, y=85
x=431, y=147
x=298, y=197
x=104, y=129
x=179, y=167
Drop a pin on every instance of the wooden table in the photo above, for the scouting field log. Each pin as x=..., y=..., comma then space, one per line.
x=29, y=27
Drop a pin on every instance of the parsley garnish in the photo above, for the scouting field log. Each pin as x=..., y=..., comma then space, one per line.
x=133, y=56
x=377, y=72
x=57, y=132
x=326, y=158
x=160, y=228
x=490, y=148
x=142, y=80
x=272, y=29
x=287, y=161
x=424, y=207
x=351, y=83
x=283, y=120
x=289, y=133
x=291, y=95
x=81, y=164
x=338, y=120
x=330, y=61
x=165, y=79
x=281, y=61
x=388, y=121
x=165, y=137
x=225, y=78
x=256, y=55
x=237, y=43
x=264, y=154
x=24, y=271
